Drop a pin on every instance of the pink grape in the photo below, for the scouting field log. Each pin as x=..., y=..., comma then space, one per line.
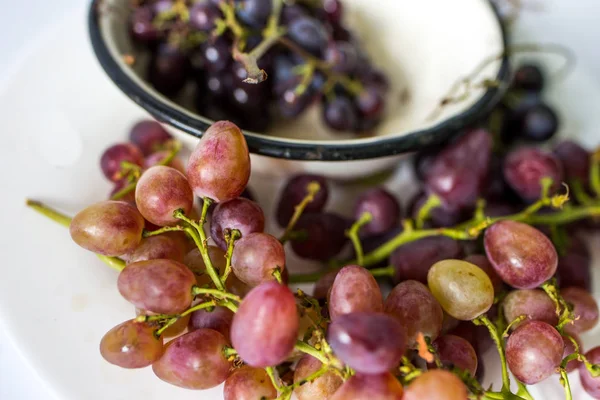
x=256, y=256
x=219, y=167
x=161, y=286
x=416, y=309
x=585, y=309
x=524, y=169
x=160, y=192
x=354, y=289
x=265, y=327
x=533, y=351
x=219, y=319
x=455, y=351
x=241, y=214
x=248, y=383
x=371, y=387
x=148, y=135
x=322, y=388
x=110, y=228
x=574, y=266
x=436, y=384
x=533, y=303
x=369, y=343
x=154, y=247
x=591, y=384
x=158, y=157
x=522, y=255
x=194, y=360
x=575, y=160
x=113, y=157
x=384, y=210
x=131, y=345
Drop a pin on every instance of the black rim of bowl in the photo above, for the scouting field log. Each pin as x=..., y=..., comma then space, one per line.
x=280, y=148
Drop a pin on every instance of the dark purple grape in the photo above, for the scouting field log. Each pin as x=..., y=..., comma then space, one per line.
x=113, y=157
x=255, y=258
x=219, y=84
x=499, y=209
x=131, y=344
x=321, y=388
x=295, y=191
x=533, y=121
x=574, y=159
x=570, y=349
x=523, y=256
x=254, y=13
x=370, y=387
x=161, y=286
x=423, y=161
x=241, y=214
x=168, y=69
x=369, y=343
x=524, y=169
x=324, y=236
x=343, y=57
x=309, y=33
x=219, y=319
x=291, y=12
x=340, y=114
x=416, y=309
x=413, y=260
x=370, y=103
x=441, y=216
x=458, y=173
x=203, y=16
x=482, y=262
x=333, y=10
x=216, y=54
x=354, y=290
x=291, y=104
x=574, y=266
x=455, y=351
x=585, y=309
x=149, y=136
x=590, y=384
x=194, y=361
x=384, y=210
x=533, y=351
x=253, y=332
x=436, y=384
x=372, y=76
x=533, y=303
x=141, y=25
x=323, y=285
x=528, y=77
x=247, y=194
x=248, y=383
x=160, y=246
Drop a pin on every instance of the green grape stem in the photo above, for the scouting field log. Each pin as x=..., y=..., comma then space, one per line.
x=312, y=189
x=231, y=235
x=498, y=341
x=432, y=202
x=353, y=232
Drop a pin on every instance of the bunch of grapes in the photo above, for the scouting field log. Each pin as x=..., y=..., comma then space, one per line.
x=226, y=47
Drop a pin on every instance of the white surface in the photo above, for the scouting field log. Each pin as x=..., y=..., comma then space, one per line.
x=57, y=300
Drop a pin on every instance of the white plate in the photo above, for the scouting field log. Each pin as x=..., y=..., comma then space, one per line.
x=59, y=112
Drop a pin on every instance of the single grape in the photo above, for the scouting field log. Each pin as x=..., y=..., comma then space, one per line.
x=482, y=262
x=321, y=388
x=524, y=169
x=523, y=256
x=369, y=343
x=254, y=12
x=219, y=167
x=141, y=25
x=294, y=192
x=290, y=12
x=161, y=191
x=436, y=384
x=290, y=103
x=423, y=161
x=324, y=236
x=537, y=123
x=533, y=351
x=416, y=309
x=113, y=157
x=158, y=157
x=172, y=331
x=570, y=349
x=413, y=260
x=575, y=160
x=340, y=114
x=441, y=216
x=216, y=54
x=449, y=323
x=203, y=16
x=149, y=136
x=161, y=286
x=371, y=387
x=528, y=77
x=256, y=257
x=591, y=384
x=354, y=290
x=267, y=306
x=248, y=383
x=455, y=351
x=131, y=345
x=218, y=319
x=463, y=289
x=194, y=360
x=168, y=69
x=323, y=285
x=343, y=57
x=585, y=309
x=157, y=247
x=309, y=33
x=533, y=303
x=241, y=214
x=574, y=266
x=384, y=210
x=111, y=228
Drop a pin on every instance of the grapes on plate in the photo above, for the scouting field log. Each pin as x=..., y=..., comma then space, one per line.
x=131, y=344
x=354, y=290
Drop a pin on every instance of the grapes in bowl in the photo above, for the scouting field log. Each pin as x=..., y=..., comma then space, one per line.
x=338, y=88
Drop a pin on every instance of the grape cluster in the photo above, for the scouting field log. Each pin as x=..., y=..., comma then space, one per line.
x=221, y=46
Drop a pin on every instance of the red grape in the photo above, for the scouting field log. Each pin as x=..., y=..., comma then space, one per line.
x=256, y=257
x=294, y=192
x=482, y=262
x=161, y=286
x=524, y=169
x=591, y=384
x=160, y=192
x=241, y=214
x=369, y=343
x=436, y=384
x=354, y=290
x=156, y=158
x=323, y=285
x=384, y=210
x=523, y=256
x=575, y=160
x=416, y=309
x=533, y=351
x=194, y=360
x=533, y=303
x=154, y=247
x=149, y=136
x=219, y=167
x=248, y=383
x=324, y=236
x=455, y=351
x=219, y=319
x=113, y=157
x=265, y=328
x=131, y=345
x=321, y=388
x=111, y=228
x=371, y=387
x=585, y=309
x=574, y=266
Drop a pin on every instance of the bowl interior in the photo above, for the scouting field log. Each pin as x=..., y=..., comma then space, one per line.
x=425, y=47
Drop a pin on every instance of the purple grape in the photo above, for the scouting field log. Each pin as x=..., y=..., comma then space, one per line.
x=168, y=69
x=455, y=351
x=154, y=247
x=256, y=257
x=113, y=157
x=413, y=260
x=340, y=114
x=354, y=290
x=436, y=384
x=538, y=123
x=370, y=103
x=149, y=136
x=309, y=33
x=131, y=345
x=248, y=383
x=241, y=214
x=323, y=285
x=291, y=12
x=416, y=309
x=423, y=161
x=533, y=351
x=441, y=216
x=384, y=210
x=324, y=236
x=343, y=57
x=570, y=349
x=290, y=103
x=216, y=54
x=219, y=319
x=161, y=286
x=523, y=256
x=574, y=266
x=334, y=11
x=533, y=303
x=267, y=306
x=194, y=360
x=321, y=388
x=370, y=387
x=141, y=25
x=574, y=159
x=254, y=13
x=590, y=384
x=482, y=262
x=370, y=343
x=524, y=169
x=294, y=192
x=203, y=16
x=528, y=77
x=585, y=309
